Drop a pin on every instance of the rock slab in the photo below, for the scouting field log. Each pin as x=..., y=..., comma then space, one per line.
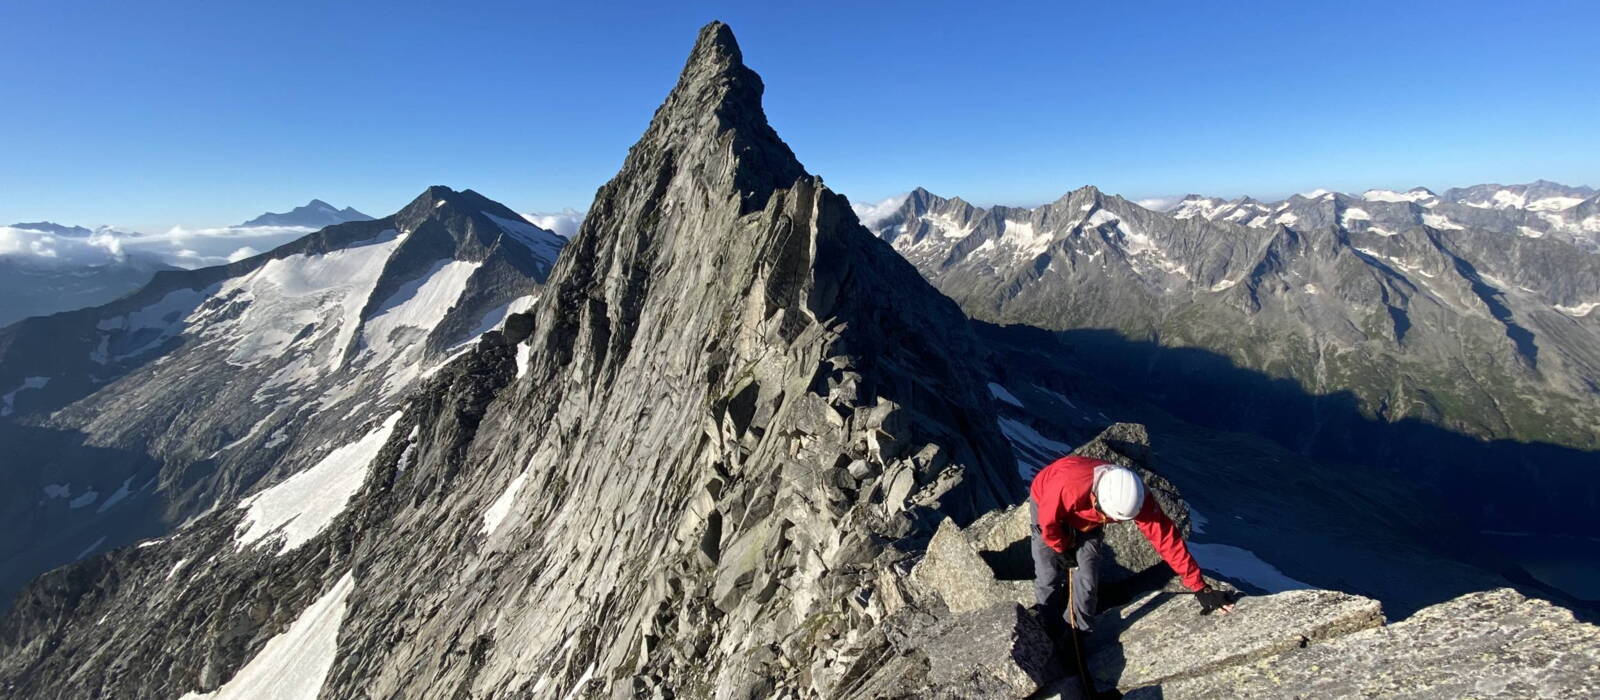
x=1162, y=636
x=999, y=651
x=1491, y=644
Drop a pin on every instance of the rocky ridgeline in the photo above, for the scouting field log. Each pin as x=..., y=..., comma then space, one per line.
x=738, y=449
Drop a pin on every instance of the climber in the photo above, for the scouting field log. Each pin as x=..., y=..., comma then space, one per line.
x=1072, y=499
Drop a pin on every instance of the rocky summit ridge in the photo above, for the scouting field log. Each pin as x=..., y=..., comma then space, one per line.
x=738, y=448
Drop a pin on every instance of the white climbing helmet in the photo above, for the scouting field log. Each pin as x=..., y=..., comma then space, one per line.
x=1118, y=491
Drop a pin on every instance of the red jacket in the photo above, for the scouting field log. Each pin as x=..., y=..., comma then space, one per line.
x=1061, y=492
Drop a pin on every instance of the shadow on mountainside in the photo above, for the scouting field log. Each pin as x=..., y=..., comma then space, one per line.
x=1499, y=485
x=1374, y=478
x=39, y=531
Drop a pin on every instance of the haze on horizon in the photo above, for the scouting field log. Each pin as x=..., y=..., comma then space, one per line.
x=192, y=114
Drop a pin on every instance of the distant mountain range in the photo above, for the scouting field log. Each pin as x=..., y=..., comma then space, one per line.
x=204, y=382
x=47, y=268
x=1472, y=311
x=1535, y=210
x=314, y=214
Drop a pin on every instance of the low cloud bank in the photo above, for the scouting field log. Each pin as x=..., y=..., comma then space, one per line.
x=203, y=247
x=563, y=223
x=179, y=247
x=1158, y=203
x=871, y=214
x=45, y=248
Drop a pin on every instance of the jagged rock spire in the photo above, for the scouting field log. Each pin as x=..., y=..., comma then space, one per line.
x=713, y=121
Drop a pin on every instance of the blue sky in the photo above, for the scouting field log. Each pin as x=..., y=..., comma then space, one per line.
x=153, y=114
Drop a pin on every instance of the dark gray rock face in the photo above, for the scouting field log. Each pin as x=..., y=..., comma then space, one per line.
x=207, y=384
x=314, y=214
x=1351, y=329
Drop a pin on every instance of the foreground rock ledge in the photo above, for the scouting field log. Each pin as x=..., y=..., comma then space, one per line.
x=1161, y=636
x=1493, y=644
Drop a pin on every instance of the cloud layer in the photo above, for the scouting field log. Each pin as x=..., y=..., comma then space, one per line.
x=872, y=214
x=49, y=249
x=1158, y=203
x=179, y=247
x=563, y=223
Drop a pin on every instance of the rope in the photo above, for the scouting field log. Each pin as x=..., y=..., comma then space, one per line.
x=1077, y=643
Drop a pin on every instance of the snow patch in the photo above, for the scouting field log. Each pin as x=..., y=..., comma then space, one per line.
x=90, y=549
x=294, y=664
x=544, y=244
x=116, y=496
x=304, y=504
x=1057, y=396
x=1506, y=199
x=1033, y=450
x=1393, y=196
x=1001, y=393
x=946, y=226
x=524, y=351
x=1554, y=203
x=1578, y=310
x=1244, y=565
x=288, y=296
x=496, y=513
x=1353, y=214
x=1132, y=242
x=578, y=687
x=142, y=330
x=1440, y=221
x=1022, y=235
x=413, y=310
x=7, y=405
x=1530, y=232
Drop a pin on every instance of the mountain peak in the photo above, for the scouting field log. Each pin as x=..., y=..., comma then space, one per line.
x=713, y=121
x=314, y=214
x=716, y=46
x=715, y=77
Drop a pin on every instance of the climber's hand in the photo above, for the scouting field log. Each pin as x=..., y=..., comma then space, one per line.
x=1212, y=599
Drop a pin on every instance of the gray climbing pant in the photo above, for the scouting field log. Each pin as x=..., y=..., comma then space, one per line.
x=1073, y=605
